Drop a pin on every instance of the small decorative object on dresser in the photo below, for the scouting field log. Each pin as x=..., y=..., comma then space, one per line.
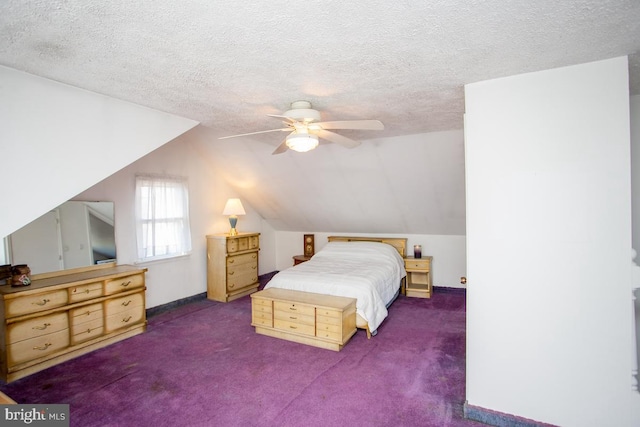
x=418, y=283
x=232, y=265
x=309, y=245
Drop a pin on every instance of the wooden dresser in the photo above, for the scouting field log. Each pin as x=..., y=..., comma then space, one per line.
x=64, y=314
x=319, y=320
x=232, y=265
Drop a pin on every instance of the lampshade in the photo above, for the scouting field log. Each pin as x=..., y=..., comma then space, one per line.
x=233, y=207
x=302, y=141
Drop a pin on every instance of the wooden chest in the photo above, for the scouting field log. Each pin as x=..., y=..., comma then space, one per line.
x=319, y=320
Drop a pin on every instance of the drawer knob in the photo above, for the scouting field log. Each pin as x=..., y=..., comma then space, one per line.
x=126, y=320
x=231, y=285
x=126, y=303
x=41, y=303
x=293, y=317
x=125, y=284
x=292, y=327
x=231, y=273
x=43, y=327
x=231, y=261
x=46, y=346
x=293, y=308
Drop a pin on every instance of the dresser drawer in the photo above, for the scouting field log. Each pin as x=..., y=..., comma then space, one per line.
x=124, y=284
x=299, y=328
x=34, y=303
x=124, y=311
x=418, y=264
x=85, y=292
x=251, y=258
x=238, y=281
x=85, y=331
x=289, y=316
x=37, y=327
x=33, y=348
x=292, y=307
x=86, y=322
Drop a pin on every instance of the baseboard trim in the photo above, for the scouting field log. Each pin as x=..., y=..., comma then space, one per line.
x=498, y=419
x=448, y=290
x=153, y=311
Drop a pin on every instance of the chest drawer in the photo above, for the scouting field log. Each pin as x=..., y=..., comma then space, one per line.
x=124, y=284
x=294, y=327
x=261, y=318
x=28, y=304
x=329, y=320
x=292, y=307
x=37, y=327
x=85, y=292
x=33, y=348
x=304, y=319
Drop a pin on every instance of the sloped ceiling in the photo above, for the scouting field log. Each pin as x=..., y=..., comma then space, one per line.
x=227, y=64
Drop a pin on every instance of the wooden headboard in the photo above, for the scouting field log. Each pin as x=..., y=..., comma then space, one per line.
x=400, y=243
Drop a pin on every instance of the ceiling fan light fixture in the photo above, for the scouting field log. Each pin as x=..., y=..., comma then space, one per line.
x=302, y=142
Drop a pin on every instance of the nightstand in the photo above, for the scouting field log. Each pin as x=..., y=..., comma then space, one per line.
x=299, y=259
x=418, y=282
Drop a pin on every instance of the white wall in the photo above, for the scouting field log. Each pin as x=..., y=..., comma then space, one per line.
x=174, y=279
x=57, y=140
x=548, y=245
x=449, y=252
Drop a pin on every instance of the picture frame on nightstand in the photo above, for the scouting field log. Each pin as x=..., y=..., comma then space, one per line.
x=309, y=245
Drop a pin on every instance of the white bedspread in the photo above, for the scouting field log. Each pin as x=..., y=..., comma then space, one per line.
x=368, y=271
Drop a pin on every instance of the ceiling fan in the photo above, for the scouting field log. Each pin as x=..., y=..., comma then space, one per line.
x=305, y=127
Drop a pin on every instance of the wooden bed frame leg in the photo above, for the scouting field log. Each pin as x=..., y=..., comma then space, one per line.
x=368, y=333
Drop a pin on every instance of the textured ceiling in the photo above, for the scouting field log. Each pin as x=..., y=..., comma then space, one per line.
x=227, y=64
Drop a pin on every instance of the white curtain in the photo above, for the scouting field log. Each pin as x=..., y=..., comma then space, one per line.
x=162, y=217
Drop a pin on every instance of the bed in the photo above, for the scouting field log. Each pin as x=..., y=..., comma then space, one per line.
x=369, y=269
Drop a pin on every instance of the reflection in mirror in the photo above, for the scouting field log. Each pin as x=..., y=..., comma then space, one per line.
x=75, y=234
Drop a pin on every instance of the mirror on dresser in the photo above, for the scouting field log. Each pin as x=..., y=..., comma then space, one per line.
x=75, y=234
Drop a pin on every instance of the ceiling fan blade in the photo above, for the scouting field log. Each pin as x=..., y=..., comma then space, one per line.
x=338, y=139
x=281, y=148
x=277, y=116
x=255, y=133
x=350, y=124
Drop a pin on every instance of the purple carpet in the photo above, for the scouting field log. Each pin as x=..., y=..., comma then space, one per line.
x=202, y=364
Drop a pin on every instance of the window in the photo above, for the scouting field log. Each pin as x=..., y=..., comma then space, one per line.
x=162, y=217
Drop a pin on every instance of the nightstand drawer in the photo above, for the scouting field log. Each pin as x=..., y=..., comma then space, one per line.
x=417, y=264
